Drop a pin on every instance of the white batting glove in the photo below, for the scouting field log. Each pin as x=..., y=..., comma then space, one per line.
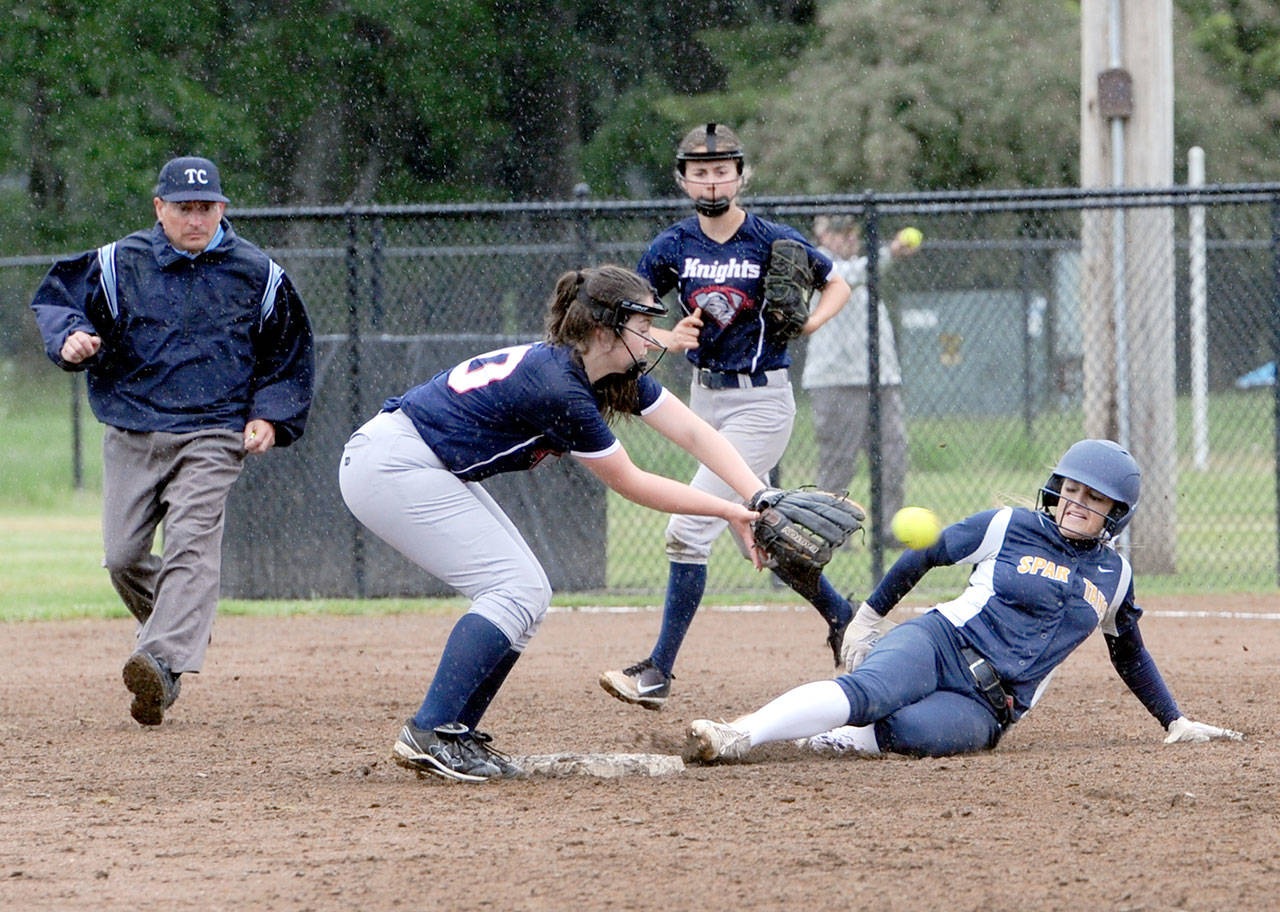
x=859, y=637
x=1183, y=729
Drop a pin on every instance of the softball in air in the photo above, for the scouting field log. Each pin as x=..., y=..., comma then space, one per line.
x=916, y=527
x=910, y=237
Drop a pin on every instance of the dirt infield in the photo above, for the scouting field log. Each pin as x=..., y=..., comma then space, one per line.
x=269, y=785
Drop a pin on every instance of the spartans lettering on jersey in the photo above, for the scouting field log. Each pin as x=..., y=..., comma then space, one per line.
x=1042, y=566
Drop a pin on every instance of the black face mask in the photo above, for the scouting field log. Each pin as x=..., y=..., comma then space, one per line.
x=711, y=208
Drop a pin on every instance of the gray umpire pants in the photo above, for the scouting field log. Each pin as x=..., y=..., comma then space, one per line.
x=842, y=427
x=182, y=481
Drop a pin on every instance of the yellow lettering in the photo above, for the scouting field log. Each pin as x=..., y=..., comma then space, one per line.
x=1024, y=565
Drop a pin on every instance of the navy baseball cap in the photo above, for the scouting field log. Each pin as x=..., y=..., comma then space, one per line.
x=190, y=178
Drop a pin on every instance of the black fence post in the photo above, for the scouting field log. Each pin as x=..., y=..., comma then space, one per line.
x=1024, y=281
x=1275, y=360
x=586, y=243
x=353, y=375
x=875, y=462
x=376, y=245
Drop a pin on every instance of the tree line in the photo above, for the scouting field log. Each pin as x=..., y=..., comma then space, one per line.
x=390, y=101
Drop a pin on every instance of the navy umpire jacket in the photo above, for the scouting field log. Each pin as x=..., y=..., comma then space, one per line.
x=188, y=343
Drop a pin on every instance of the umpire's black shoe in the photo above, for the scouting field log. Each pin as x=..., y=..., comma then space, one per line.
x=153, y=686
x=643, y=684
x=447, y=751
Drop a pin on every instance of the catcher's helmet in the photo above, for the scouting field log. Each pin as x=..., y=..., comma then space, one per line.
x=1106, y=467
x=718, y=142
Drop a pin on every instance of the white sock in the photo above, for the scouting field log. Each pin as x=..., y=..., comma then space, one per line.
x=858, y=739
x=801, y=712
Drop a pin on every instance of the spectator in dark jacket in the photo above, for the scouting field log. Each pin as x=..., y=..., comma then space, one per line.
x=197, y=350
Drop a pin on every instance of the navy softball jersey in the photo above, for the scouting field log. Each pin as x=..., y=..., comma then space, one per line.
x=506, y=410
x=727, y=282
x=1032, y=598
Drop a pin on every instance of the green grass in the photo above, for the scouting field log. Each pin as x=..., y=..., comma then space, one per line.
x=50, y=546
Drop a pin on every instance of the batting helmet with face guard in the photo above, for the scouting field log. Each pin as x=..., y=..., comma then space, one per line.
x=1106, y=467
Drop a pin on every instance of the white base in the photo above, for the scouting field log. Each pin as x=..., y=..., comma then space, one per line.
x=601, y=766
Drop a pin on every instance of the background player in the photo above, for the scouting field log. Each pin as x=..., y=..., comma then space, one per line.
x=715, y=260
x=198, y=351
x=836, y=373
x=410, y=474
x=954, y=679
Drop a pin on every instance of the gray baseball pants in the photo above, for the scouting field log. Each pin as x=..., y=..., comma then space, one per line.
x=397, y=487
x=181, y=481
x=757, y=421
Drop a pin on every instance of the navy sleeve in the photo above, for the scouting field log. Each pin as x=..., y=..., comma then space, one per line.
x=902, y=577
x=284, y=368
x=1138, y=670
x=655, y=269
x=63, y=304
x=957, y=543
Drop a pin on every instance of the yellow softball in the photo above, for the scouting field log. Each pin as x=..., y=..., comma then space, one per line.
x=910, y=237
x=916, y=527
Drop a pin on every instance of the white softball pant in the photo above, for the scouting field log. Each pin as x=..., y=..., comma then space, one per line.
x=757, y=421
x=397, y=487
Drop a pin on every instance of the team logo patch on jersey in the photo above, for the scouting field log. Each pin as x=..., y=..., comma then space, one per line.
x=720, y=302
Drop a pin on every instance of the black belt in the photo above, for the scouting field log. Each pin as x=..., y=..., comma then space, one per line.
x=721, y=380
x=989, y=684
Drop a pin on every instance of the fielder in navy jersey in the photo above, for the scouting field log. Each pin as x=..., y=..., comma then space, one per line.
x=411, y=475
x=956, y=678
x=715, y=261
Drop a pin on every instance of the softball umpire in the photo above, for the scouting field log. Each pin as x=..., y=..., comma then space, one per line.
x=198, y=350
x=954, y=679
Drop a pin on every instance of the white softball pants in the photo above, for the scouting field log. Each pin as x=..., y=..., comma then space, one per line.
x=400, y=490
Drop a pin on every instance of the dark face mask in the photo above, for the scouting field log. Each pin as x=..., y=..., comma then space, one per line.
x=712, y=208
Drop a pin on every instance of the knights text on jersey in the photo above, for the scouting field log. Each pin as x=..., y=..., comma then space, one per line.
x=1032, y=598
x=727, y=282
x=505, y=410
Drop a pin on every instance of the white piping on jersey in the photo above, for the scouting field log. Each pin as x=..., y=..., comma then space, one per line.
x=107, y=263
x=598, y=454
x=1108, y=621
x=755, y=359
x=509, y=450
x=1041, y=688
x=274, y=274
x=656, y=402
x=981, y=589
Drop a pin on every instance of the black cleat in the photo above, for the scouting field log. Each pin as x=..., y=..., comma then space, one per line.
x=153, y=686
x=447, y=751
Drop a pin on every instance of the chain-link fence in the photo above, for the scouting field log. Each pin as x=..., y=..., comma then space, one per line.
x=1025, y=321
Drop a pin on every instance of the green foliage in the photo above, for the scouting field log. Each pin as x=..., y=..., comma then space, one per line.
x=308, y=101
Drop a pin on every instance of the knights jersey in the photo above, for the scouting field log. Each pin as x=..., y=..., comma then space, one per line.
x=1032, y=597
x=506, y=410
x=727, y=282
